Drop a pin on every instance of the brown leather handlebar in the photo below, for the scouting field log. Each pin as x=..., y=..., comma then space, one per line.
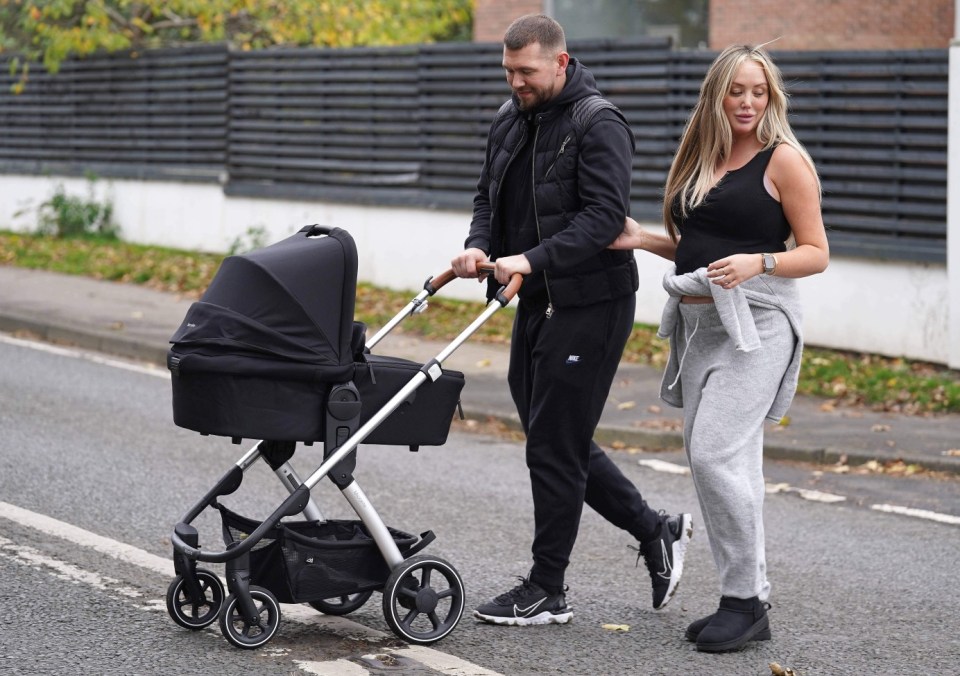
x=441, y=280
x=509, y=293
x=516, y=279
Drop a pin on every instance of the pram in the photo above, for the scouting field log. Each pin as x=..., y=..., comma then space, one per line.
x=272, y=352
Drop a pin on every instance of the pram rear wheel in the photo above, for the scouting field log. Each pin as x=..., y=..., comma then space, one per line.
x=423, y=599
x=341, y=605
x=195, y=613
x=242, y=634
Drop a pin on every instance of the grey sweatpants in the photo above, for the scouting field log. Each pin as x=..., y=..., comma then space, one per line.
x=726, y=397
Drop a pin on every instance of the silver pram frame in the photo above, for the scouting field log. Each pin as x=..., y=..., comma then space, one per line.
x=334, y=566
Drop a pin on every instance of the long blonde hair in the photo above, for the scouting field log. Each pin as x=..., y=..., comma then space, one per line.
x=708, y=137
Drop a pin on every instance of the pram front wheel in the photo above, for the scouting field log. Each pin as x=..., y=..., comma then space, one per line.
x=243, y=634
x=190, y=612
x=423, y=599
x=341, y=605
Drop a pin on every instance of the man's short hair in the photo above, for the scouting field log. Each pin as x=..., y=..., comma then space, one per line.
x=535, y=28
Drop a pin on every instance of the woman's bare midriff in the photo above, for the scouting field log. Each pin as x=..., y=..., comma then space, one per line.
x=696, y=299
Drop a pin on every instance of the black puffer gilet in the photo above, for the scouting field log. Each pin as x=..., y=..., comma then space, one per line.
x=558, y=130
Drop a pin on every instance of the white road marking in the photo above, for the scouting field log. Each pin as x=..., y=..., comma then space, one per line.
x=62, y=570
x=663, y=466
x=918, y=513
x=341, y=626
x=816, y=496
x=819, y=496
x=805, y=493
x=84, y=538
x=332, y=668
x=145, y=369
x=448, y=664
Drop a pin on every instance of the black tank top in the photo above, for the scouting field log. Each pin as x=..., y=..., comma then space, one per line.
x=738, y=215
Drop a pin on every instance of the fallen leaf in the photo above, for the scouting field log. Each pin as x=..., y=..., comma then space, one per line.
x=626, y=405
x=777, y=670
x=616, y=627
x=387, y=660
x=880, y=428
x=483, y=363
x=953, y=452
x=653, y=408
x=828, y=407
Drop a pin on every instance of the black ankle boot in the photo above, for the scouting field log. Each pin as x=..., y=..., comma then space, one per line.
x=736, y=623
x=693, y=631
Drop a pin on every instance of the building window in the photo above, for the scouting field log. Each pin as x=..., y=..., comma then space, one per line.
x=684, y=21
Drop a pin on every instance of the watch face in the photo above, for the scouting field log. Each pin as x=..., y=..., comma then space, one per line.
x=768, y=263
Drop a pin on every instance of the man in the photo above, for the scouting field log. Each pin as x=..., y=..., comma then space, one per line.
x=554, y=192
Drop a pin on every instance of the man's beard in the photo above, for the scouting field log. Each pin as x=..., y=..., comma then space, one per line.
x=540, y=96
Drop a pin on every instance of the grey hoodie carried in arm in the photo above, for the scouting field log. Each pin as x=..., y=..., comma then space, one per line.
x=733, y=307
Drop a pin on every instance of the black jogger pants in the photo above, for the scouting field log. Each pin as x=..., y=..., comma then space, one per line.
x=561, y=370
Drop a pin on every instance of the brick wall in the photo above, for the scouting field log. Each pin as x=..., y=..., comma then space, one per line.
x=833, y=24
x=491, y=17
x=800, y=24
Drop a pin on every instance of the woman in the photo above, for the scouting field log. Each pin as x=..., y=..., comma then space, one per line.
x=740, y=187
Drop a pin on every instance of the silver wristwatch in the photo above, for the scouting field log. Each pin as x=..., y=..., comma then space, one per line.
x=769, y=264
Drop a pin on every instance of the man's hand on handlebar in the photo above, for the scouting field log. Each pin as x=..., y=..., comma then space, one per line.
x=465, y=264
x=508, y=266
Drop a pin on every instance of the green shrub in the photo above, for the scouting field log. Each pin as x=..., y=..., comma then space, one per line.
x=68, y=216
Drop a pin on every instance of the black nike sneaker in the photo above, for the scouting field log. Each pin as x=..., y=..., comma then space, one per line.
x=526, y=604
x=664, y=556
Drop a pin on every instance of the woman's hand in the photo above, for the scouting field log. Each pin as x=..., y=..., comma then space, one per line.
x=732, y=270
x=635, y=236
x=632, y=236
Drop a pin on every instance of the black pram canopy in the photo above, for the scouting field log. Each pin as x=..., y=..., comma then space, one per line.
x=282, y=311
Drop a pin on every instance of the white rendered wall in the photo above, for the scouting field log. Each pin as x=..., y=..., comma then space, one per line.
x=896, y=309
x=952, y=305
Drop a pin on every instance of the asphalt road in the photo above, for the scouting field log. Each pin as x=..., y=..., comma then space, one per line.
x=93, y=474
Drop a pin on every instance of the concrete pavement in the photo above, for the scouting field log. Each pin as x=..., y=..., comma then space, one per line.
x=136, y=322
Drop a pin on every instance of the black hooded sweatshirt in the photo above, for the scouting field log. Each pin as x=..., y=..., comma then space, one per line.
x=579, y=170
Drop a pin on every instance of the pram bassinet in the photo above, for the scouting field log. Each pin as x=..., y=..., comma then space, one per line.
x=271, y=352
x=257, y=355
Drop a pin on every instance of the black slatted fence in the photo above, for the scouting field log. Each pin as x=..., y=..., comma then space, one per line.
x=325, y=124
x=876, y=125
x=406, y=125
x=461, y=89
x=161, y=114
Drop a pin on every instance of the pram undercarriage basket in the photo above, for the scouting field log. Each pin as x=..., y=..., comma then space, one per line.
x=305, y=561
x=271, y=352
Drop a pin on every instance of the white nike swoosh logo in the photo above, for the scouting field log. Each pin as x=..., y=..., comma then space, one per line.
x=667, y=568
x=523, y=612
